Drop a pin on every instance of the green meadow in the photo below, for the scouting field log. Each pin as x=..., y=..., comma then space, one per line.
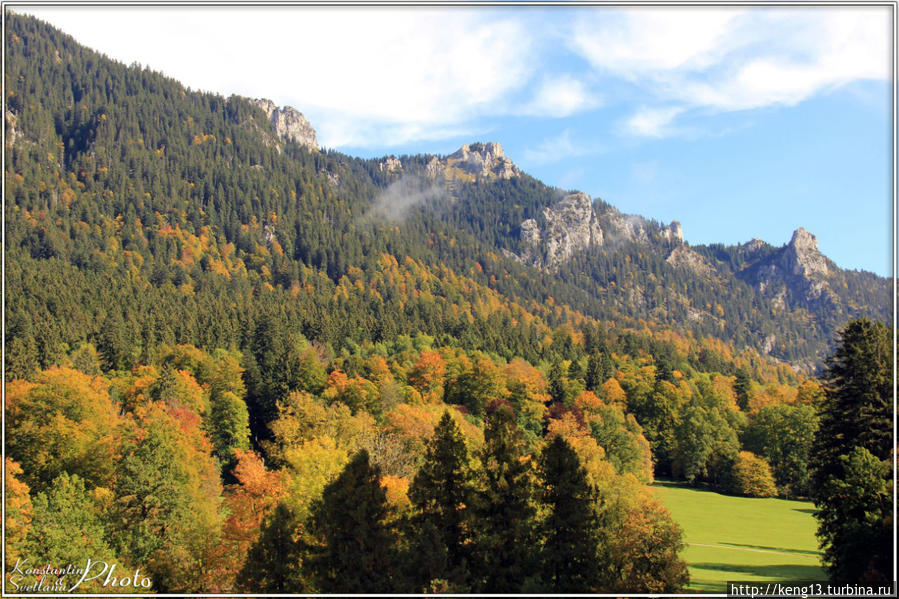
x=742, y=538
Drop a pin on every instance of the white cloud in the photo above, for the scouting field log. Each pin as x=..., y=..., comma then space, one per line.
x=727, y=59
x=653, y=122
x=404, y=70
x=557, y=148
x=560, y=96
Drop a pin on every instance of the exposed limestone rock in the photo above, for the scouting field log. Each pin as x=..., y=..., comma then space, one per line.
x=625, y=227
x=435, y=168
x=683, y=257
x=673, y=232
x=12, y=134
x=571, y=226
x=391, y=164
x=797, y=270
x=754, y=244
x=802, y=256
x=483, y=160
x=288, y=123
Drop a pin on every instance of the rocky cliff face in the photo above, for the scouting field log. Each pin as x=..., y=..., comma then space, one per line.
x=485, y=160
x=801, y=256
x=288, y=123
x=391, y=164
x=798, y=271
x=571, y=226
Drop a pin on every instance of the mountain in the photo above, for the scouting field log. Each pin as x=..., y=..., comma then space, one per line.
x=120, y=178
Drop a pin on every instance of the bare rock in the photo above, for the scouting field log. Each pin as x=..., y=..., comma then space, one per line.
x=683, y=257
x=391, y=164
x=802, y=257
x=484, y=160
x=571, y=227
x=288, y=123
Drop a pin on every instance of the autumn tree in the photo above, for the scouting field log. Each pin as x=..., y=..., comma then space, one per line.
x=750, y=475
x=643, y=552
x=19, y=513
x=64, y=513
x=783, y=434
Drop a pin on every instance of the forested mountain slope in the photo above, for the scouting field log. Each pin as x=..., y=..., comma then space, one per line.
x=117, y=172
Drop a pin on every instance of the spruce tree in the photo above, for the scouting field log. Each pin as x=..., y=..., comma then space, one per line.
x=855, y=433
x=569, y=532
x=506, y=512
x=359, y=546
x=441, y=492
x=273, y=564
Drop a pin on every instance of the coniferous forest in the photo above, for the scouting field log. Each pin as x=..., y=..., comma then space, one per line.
x=227, y=369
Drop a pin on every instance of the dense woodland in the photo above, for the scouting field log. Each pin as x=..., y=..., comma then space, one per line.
x=226, y=368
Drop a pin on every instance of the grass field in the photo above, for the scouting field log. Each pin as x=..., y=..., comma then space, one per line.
x=742, y=538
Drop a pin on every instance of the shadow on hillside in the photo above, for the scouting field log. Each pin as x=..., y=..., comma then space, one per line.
x=804, y=510
x=775, y=572
x=767, y=548
x=662, y=482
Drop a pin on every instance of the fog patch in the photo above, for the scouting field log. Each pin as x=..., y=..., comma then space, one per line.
x=404, y=195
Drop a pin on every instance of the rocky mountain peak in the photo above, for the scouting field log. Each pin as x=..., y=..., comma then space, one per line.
x=483, y=159
x=801, y=256
x=288, y=123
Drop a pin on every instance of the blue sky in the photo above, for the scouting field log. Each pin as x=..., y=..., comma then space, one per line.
x=740, y=122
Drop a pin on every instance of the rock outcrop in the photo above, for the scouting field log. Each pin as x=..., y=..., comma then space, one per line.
x=683, y=257
x=288, y=123
x=797, y=270
x=484, y=160
x=801, y=256
x=673, y=233
x=391, y=164
x=571, y=226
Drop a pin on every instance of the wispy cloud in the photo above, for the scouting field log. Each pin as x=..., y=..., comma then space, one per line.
x=557, y=148
x=653, y=122
x=560, y=96
x=727, y=59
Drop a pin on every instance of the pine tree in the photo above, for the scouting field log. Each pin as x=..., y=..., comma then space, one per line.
x=570, y=530
x=359, y=545
x=442, y=493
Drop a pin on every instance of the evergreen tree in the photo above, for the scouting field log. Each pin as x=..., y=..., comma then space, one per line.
x=505, y=511
x=569, y=561
x=593, y=375
x=441, y=492
x=853, y=437
x=855, y=524
x=273, y=564
x=556, y=383
x=359, y=544
x=741, y=388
